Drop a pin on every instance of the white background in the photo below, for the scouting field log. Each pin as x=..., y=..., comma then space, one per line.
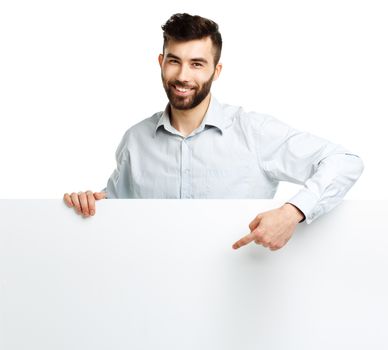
x=74, y=75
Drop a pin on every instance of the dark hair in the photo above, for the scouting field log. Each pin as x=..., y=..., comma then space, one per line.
x=184, y=27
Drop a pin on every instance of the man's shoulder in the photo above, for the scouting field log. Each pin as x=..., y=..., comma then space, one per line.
x=145, y=127
x=247, y=119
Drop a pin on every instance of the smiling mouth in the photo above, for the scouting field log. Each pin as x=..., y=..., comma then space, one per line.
x=182, y=91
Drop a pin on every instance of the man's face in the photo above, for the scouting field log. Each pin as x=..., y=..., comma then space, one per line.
x=187, y=70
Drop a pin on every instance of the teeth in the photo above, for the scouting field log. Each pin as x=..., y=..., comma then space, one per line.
x=181, y=89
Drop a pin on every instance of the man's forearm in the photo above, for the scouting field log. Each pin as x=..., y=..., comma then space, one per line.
x=326, y=188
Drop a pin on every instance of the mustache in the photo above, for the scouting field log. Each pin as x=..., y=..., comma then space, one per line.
x=182, y=85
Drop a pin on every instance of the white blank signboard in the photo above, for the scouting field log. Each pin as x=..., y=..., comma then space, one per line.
x=162, y=274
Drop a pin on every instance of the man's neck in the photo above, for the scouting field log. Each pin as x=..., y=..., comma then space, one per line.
x=186, y=121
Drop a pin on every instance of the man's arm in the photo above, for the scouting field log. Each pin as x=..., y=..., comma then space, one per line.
x=118, y=185
x=326, y=170
x=326, y=188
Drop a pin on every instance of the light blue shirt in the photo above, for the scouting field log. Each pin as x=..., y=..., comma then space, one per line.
x=232, y=154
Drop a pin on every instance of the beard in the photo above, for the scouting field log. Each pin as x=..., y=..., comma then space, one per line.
x=186, y=102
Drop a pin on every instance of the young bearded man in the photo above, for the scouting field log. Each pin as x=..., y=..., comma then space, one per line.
x=200, y=148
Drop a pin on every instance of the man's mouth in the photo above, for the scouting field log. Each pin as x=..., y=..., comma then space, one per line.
x=182, y=91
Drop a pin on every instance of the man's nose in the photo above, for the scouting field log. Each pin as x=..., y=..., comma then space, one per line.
x=184, y=73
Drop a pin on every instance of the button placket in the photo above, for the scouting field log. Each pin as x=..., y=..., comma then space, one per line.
x=186, y=188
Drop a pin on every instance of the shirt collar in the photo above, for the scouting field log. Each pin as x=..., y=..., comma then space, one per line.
x=213, y=117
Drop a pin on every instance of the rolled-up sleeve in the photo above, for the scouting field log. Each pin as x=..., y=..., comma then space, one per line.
x=326, y=170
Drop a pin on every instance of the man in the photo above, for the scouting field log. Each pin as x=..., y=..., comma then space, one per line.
x=200, y=148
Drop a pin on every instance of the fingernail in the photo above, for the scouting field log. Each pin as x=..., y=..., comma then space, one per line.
x=92, y=212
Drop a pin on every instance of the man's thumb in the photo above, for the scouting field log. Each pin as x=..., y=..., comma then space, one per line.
x=99, y=195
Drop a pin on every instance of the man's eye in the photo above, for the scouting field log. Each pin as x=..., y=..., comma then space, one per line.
x=197, y=64
x=173, y=61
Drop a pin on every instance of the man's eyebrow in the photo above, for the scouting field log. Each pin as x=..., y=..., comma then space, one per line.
x=197, y=59
x=170, y=55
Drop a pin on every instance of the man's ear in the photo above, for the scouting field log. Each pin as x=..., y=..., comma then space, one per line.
x=160, y=59
x=217, y=71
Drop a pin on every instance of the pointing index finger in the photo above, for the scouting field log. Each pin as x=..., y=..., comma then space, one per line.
x=244, y=241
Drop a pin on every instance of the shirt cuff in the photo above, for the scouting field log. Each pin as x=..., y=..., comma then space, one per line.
x=104, y=190
x=305, y=201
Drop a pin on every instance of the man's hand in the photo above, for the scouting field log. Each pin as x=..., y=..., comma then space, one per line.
x=273, y=228
x=83, y=202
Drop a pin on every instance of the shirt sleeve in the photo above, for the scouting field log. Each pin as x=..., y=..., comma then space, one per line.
x=326, y=170
x=118, y=185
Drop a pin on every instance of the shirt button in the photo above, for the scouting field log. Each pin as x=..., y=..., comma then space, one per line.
x=187, y=171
